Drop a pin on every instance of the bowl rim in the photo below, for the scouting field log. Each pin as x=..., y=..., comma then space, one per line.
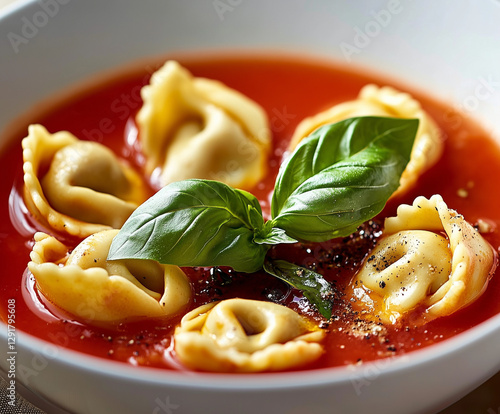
x=253, y=381
x=14, y=6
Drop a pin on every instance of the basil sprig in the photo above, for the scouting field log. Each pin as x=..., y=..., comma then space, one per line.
x=337, y=178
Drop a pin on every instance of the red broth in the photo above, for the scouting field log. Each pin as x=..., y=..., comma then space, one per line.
x=289, y=89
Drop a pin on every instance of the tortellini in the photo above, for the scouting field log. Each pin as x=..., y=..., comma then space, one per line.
x=388, y=102
x=241, y=335
x=193, y=127
x=99, y=291
x=77, y=187
x=430, y=262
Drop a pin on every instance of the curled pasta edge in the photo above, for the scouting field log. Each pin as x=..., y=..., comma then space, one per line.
x=114, y=298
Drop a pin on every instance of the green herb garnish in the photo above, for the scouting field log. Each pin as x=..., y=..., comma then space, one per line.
x=337, y=178
x=313, y=286
x=341, y=176
x=195, y=223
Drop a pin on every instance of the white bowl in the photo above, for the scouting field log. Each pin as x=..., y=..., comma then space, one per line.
x=446, y=47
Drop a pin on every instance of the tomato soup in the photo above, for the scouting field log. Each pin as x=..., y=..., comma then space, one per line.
x=289, y=89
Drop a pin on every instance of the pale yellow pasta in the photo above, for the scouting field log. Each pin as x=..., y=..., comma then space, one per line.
x=387, y=102
x=430, y=261
x=240, y=335
x=193, y=127
x=77, y=187
x=88, y=286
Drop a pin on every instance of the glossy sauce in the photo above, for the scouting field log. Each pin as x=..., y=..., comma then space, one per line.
x=289, y=89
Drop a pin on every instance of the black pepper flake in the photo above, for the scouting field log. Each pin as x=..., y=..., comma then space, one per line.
x=324, y=324
x=275, y=295
x=300, y=272
x=382, y=284
x=222, y=277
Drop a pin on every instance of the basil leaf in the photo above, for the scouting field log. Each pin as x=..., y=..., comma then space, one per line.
x=272, y=235
x=194, y=223
x=314, y=287
x=340, y=176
